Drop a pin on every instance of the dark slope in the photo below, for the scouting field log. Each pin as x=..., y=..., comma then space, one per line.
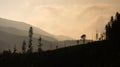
x=97, y=54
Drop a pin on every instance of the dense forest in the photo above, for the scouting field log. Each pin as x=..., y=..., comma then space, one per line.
x=102, y=53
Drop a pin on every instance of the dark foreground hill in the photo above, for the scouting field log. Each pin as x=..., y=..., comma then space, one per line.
x=96, y=54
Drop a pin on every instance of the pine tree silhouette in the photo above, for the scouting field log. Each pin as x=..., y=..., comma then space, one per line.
x=112, y=28
x=30, y=47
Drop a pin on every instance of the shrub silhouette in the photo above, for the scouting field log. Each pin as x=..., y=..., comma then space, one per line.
x=83, y=37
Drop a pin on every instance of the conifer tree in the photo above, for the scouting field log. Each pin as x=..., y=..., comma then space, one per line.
x=30, y=47
x=112, y=28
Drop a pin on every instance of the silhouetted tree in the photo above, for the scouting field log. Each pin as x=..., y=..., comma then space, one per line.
x=109, y=29
x=112, y=28
x=24, y=47
x=30, y=47
x=40, y=44
x=83, y=37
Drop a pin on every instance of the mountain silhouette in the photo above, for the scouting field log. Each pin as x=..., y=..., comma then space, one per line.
x=14, y=32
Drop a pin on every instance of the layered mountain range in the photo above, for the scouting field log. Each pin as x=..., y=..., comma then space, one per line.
x=13, y=33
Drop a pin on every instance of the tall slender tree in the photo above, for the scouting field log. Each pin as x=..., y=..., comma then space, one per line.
x=30, y=47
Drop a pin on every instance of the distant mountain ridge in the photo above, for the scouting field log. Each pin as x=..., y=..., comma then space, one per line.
x=23, y=27
x=14, y=32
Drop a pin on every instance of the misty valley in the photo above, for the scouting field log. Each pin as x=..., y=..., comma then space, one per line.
x=34, y=47
x=13, y=33
x=59, y=33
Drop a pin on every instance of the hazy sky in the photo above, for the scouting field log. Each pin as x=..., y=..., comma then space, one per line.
x=62, y=17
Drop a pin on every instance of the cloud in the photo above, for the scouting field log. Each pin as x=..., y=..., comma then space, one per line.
x=94, y=18
x=71, y=20
x=62, y=17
